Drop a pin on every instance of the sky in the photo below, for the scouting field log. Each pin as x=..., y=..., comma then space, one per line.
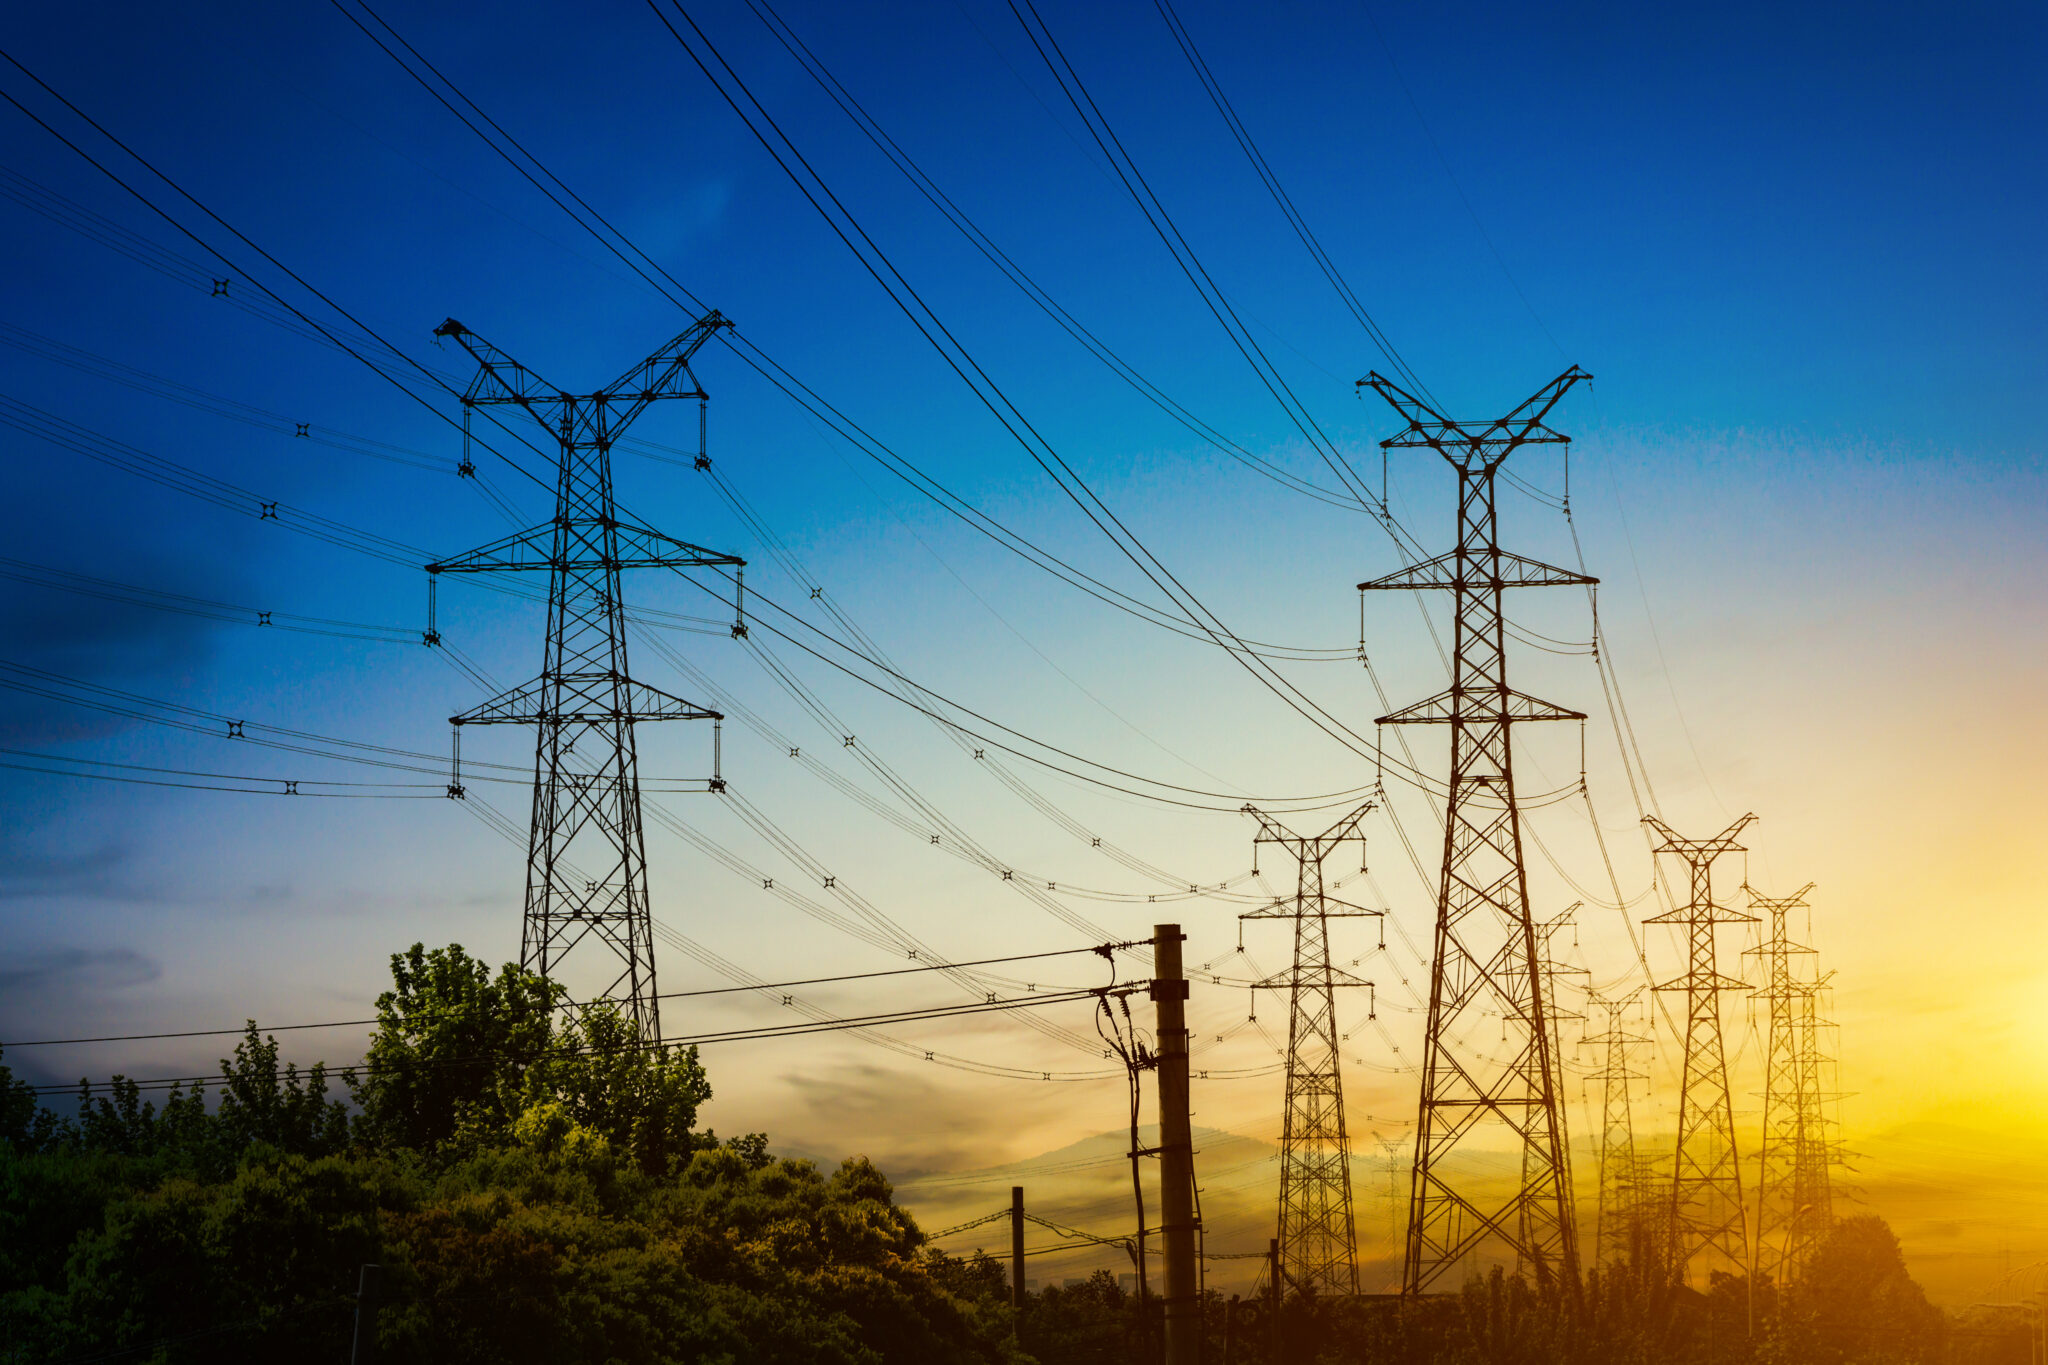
x=1797, y=248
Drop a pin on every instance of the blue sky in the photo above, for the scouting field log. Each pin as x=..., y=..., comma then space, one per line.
x=1799, y=248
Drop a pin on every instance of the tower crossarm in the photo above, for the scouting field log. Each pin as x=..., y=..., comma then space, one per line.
x=664, y=374
x=1525, y=423
x=501, y=379
x=1287, y=907
x=1700, y=851
x=1463, y=446
x=1703, y=913
x=1290, y=979
x=1478, y=704
x=582, y=699
x=588, y=544
x=1500, y=569
x=595, y=418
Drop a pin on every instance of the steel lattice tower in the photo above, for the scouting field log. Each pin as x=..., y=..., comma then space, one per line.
x=1318, y=1236
x=1707, y=1213
x=1555, y=1014
x=586, y=861
x=1618, y=1213
x=1816, y=1152
x=1485, y=958
x=1779, y=1212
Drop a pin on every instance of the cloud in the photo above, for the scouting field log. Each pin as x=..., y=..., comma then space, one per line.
x=87, y=638
x=91, y=873
x=75, y=969
x=928, y=1128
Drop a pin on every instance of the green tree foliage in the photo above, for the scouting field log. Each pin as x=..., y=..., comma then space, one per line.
x=452, y=1051
x=531, y=1180
x=533, y=1183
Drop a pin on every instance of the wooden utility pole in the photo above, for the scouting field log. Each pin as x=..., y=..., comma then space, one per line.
x=1183, y=1301
x=1016, y=1246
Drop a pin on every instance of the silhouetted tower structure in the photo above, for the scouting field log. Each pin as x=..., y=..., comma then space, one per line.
x=1318, y=1233
x=1555, y=1013
x=1780, y=1213
x=1485, y=955
x=1617, y=1218
x=1707, y=1212
x=586, y=862
x=1817, y=1152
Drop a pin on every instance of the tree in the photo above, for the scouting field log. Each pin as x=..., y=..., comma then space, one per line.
x=451, y=1050
x=1856, y=1303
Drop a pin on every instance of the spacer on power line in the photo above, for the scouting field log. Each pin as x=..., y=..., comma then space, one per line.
x=220, y=289
x=304, y=430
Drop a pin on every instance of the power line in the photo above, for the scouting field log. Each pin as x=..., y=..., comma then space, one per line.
x=210, y=249
x=1097, y=950
x=763, y=1032
x=1280, y=196
x=944, y=203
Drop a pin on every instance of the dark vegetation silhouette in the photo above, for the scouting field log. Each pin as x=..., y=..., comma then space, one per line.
x=536, y=1189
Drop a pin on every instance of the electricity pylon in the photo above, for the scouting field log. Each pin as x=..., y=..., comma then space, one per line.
x=1707, y=1212
x=1556, y=1014
x=1817, y=1152
x=586, y=860
x=1318, y=1235
x=1617, y=1215
x=1485, y=957
x=1779, y=1211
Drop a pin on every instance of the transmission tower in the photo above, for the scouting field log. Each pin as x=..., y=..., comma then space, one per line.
x=1556, y=1014
x=1779, y=1212
x=1616, y=1224
x=1318, y=1237
x=1485, y=958
x=1707, y=1214
x=586, y=860
x=1817, y=1152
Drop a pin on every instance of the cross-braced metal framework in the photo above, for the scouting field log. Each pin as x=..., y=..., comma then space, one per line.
x=1707, y=1213
x=1818, y=1151
x=586, y=862
x=1485, y=959
x=1617, y=1216
x=1556, y=1014
x=1780, y=1215
x=1318, y=1235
